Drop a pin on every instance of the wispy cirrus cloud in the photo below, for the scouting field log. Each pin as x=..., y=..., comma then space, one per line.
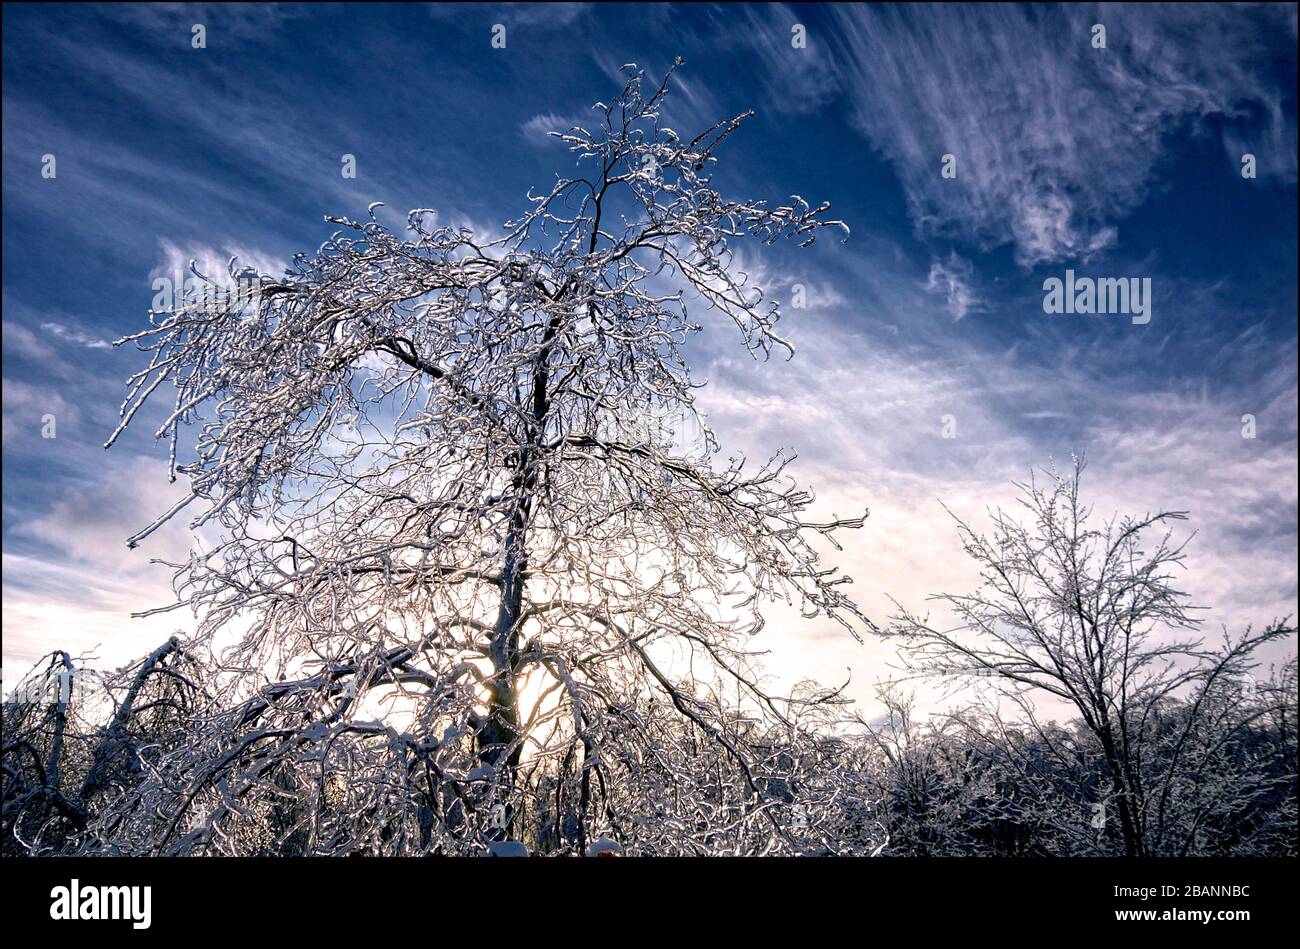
x=548, y=16
x=538, y=129
x=1054, y=140
x=953, y=277
x=213, y=262
x=795, y=63
x=73, y=335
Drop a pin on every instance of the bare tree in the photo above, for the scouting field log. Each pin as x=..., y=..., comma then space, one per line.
x=1091, y=616
x=40, y=812
x=75, y=738
x=450, y=471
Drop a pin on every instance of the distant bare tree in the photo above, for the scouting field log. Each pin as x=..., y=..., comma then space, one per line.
x=451, y=470
x=1091, y=616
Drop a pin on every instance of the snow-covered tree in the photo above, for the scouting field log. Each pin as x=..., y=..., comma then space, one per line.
x=470, y=520
x=1090, y=615
x=76, y=738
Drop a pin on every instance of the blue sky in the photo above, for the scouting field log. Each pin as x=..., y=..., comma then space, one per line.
x=1115, y=162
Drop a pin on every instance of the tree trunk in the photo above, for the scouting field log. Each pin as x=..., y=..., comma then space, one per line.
x=1133, y=844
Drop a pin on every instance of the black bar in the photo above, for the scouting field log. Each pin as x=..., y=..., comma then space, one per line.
x=1054, y=899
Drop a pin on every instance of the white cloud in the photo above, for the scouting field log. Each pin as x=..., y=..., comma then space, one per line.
x=79, y=584
x=865, y=417
x=795, y=79
x=70, y=335
x=531, y=15
x=1054, y=140
x=26, y=404
x=538, y=129
x=80, y=609
x=952, y=278
x=213, y=262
